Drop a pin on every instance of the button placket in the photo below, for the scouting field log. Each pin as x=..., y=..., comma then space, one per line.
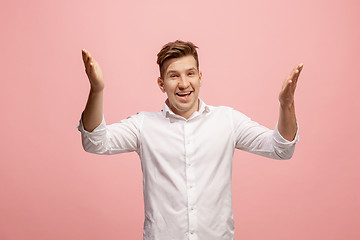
x=191, y=183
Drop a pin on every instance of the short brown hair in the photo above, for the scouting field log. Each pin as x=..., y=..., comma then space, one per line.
x=175, y=50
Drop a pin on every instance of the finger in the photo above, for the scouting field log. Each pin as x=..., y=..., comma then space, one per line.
x=293, y=87
x=290, y=89
x=86, y=58
x=297, y=73
x=84, y=55
x=290, y=76
x=91, y=64
x=293, y=73
x=286, y=85
x=295, y=76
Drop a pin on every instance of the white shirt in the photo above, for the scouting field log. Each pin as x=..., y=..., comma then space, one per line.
x=187, y=165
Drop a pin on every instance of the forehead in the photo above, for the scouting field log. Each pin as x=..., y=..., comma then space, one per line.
x=180, y=64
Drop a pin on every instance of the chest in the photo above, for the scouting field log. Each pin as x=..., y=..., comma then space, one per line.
x=201, y=137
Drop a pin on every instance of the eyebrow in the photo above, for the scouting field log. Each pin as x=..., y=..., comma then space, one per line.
x=174, y=71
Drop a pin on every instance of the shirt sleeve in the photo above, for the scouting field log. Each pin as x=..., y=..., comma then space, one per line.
x=120, y=137
x=255, y=138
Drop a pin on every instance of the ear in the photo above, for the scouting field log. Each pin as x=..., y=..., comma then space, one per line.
x=200, y=77
x=160, y=82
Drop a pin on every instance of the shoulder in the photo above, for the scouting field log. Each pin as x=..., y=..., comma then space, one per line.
x=146, y=114
x=219, y=109
x=224, y=110
x=229, y=113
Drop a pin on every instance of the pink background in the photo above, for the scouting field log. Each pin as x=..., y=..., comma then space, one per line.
x=51, y=189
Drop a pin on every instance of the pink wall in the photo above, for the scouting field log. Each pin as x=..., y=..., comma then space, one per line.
x=51, y=189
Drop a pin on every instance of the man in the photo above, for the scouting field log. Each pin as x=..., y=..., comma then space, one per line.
x=186, y=149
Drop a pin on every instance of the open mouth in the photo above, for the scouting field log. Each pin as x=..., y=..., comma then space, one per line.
x=184, y=94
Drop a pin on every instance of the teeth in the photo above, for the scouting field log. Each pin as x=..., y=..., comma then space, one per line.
x=183, y=94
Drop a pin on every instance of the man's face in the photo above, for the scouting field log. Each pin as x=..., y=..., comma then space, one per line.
x=181, y=82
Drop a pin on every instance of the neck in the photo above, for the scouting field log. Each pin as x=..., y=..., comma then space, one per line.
x=185, y=114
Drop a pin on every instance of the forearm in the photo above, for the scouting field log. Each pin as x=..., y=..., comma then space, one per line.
x=93, y=113
x=287, y=124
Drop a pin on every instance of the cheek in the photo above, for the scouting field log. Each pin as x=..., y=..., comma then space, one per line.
x=197, y=83
x=169, y=86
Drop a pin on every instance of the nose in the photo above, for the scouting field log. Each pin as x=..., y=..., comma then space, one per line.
x=183, y=83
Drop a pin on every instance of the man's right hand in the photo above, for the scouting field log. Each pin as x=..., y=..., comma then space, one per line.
x=93, y=71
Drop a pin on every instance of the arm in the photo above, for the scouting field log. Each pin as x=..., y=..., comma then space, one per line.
x=255, y=138
x=277, y=144
x=93, y=113
x=287, y=125
x=97, y=137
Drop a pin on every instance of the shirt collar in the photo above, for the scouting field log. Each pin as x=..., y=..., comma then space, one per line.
x=203, y=108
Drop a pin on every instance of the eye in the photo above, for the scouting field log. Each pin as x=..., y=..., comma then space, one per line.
x=173, y=75
x=191, y=73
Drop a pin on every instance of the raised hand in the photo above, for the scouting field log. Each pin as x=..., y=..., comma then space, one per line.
x=93, y=71
x=287, y=124
x=286, y=96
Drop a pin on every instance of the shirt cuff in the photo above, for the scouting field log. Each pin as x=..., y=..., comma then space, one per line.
x=96, y=134
x=280, y=139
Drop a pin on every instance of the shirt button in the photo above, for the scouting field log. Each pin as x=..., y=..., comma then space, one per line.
x=191, y=186
x=189, y=164
x=192, y=232
x=192, y=208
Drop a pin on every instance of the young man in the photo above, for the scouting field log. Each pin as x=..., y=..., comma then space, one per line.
x=186, y=149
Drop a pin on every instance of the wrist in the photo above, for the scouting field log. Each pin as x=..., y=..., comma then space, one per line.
x=96, y=89
x=287, y=105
